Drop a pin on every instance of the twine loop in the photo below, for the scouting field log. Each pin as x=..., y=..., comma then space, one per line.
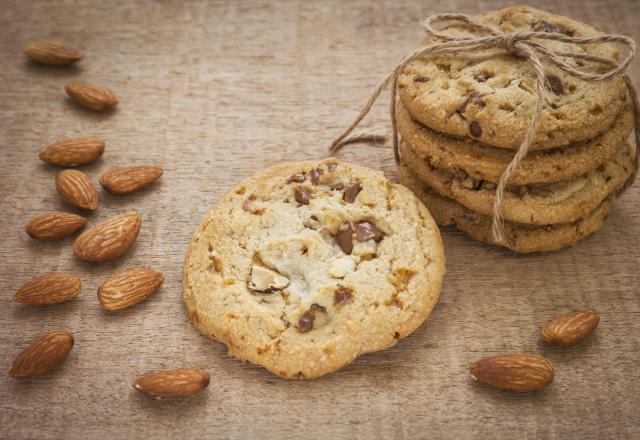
x=521, y=44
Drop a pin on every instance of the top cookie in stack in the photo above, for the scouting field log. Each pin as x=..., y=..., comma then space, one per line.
x=462, y=116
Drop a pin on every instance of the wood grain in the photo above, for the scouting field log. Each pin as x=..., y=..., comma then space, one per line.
x=214, y=91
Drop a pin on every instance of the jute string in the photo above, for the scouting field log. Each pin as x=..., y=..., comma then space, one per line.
x=521, y=44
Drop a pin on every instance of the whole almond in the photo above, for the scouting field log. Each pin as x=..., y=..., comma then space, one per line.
x=54, y=226
x=76, y=189
x=50, y=288
x=570, y=329
x=520, y=373
x=182, y=382
x=128, y=180
x=109, y=239
x=73, y=152
x=127, y=288
x=42, y=355
x=92, y=97
x=54, y=54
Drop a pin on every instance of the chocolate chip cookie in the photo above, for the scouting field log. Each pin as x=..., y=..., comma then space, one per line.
x=490, y=96
x=483, y=162
x=304, y=267
x=539, y=204
x=519, y=237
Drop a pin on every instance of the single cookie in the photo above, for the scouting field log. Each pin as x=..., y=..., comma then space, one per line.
x=519, y=237
x=483, y=162
x=539, y=204
x=306, y=266
x=490, y=95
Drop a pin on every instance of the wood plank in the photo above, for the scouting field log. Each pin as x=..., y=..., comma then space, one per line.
x=215, y=91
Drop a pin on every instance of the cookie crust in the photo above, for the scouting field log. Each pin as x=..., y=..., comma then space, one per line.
x=484, y=162
x=490, y=96
x=520, y=238
x=538, y=204
x=393, y=280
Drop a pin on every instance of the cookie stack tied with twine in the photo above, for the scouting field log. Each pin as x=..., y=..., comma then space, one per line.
x=514, y=126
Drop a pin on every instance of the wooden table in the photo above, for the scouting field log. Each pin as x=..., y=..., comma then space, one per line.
x=215, y=91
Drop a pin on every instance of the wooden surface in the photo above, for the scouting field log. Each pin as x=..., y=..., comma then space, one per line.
x=215, y=91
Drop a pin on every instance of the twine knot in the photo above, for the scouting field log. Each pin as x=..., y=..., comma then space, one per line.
x=507, y=42
x=522, y=44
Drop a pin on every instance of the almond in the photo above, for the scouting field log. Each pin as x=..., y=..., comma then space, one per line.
x=54, y=226
x=520, y=373
x=42, y=355
x=76, y=189
x=50, y=288
x=127, y=288
x=570, y=329
x=182, y=382
x=128, y=180
x=92, y=97
x=109, y=239
x=72, y=152
x=54, y=54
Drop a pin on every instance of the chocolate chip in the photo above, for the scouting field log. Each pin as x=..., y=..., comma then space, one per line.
x=336, y=186
x=365, y=231
x=246, y=205
x=344, y=237
x=545, y=26
x=342, y=296
x=302, y=195
x=554, y=83
x=420, y=79
x=351, y=191
x=298, y=178
x=318, y=308
x=332, y=166
x=315, y=175
x=473, y=98
x=305, y=323
x=482, y=76
x=475, y=128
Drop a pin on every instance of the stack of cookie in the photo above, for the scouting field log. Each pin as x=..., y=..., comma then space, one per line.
x=461, y=117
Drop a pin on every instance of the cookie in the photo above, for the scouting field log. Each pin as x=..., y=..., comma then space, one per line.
x=490, y=96
x=540, y=204
x=521, y=238
x=483, y=162
x=305, y=267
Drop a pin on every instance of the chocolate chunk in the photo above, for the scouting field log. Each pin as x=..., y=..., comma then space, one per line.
x=332, y=166
x=342, y=296
x=344, y=237
x=420, y=79
x=336, y=186
x=315, y=175
x=298, y=178
x=545, y=26
x=305, y=323
x=554, y=83
x=475, y=128
x=351, y=191
x=302, y=195
x=365, y=231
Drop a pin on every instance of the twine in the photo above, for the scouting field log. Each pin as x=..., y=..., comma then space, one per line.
x=522, y=44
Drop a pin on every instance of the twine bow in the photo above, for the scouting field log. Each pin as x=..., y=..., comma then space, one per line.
x=522, y=44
